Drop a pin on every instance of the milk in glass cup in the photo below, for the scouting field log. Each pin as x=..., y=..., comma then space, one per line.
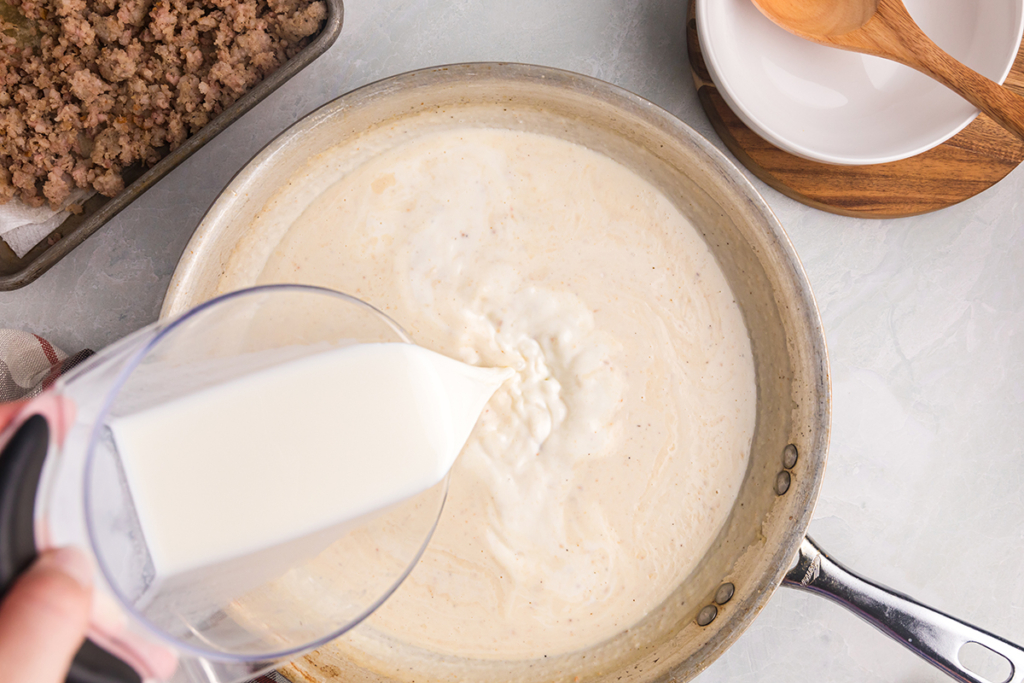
x=241, y=615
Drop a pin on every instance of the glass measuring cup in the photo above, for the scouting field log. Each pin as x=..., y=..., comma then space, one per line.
x=228, y=621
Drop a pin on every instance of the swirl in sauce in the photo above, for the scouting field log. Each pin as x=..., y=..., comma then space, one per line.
x=601, y=473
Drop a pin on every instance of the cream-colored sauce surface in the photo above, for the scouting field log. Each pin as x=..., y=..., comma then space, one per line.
x=602, y=471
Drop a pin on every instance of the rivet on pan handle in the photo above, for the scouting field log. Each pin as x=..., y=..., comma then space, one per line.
x=935, y=636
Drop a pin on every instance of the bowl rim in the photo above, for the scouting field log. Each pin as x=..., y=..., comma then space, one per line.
x=753, y=121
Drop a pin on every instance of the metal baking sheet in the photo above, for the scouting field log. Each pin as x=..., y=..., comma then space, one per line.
x=17, y=272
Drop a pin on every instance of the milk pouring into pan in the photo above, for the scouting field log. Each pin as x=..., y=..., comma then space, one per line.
x=214, y=462
x=763, y=541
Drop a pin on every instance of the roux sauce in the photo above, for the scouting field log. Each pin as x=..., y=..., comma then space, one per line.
x=606, y=466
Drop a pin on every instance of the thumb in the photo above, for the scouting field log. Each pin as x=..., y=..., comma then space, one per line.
x=8, y=411
x=44, y=617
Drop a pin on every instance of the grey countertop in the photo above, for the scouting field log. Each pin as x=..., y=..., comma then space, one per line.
x=924, y=318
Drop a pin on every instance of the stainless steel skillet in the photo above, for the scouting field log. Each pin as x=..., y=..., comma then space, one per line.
x=755, y=551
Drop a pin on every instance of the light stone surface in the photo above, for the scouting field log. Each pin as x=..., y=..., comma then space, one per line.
x=924, y=319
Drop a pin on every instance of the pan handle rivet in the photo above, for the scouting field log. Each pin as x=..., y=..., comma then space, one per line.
x=782, y=482
x=707, y=615
x=724, y=593
x=789, y=456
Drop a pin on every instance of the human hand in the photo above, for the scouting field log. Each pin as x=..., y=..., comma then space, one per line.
x=44, y=617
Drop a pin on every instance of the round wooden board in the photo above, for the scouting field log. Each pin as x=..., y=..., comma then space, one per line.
x=972, y=161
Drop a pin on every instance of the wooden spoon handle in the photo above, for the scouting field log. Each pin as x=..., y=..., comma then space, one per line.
x=892, y=33
x=1002, y=104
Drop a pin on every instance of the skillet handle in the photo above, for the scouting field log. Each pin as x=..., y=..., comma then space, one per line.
x=935, y=636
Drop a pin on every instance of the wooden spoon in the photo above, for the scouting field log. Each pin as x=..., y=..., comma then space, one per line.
x=883, y=28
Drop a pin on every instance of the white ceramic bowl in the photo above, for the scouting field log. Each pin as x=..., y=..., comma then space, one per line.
x=845, y=108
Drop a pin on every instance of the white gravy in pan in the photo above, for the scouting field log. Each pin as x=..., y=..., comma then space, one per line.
x=602, y=471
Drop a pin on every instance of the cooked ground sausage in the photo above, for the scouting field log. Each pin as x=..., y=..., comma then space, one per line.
x=104, y=84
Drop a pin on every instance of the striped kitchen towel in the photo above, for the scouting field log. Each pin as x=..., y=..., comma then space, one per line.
x=29, y=364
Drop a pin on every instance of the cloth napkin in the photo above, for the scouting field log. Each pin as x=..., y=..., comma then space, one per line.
x=28, y=365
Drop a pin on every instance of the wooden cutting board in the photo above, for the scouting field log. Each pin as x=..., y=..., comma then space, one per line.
x=972, y=161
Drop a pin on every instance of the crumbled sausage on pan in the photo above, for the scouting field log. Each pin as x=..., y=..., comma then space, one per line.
x=99, y=85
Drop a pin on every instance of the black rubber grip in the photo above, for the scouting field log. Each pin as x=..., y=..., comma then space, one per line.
x=21, y=464
x=93, y=664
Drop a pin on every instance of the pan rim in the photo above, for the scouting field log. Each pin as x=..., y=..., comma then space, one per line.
x=805, y=494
